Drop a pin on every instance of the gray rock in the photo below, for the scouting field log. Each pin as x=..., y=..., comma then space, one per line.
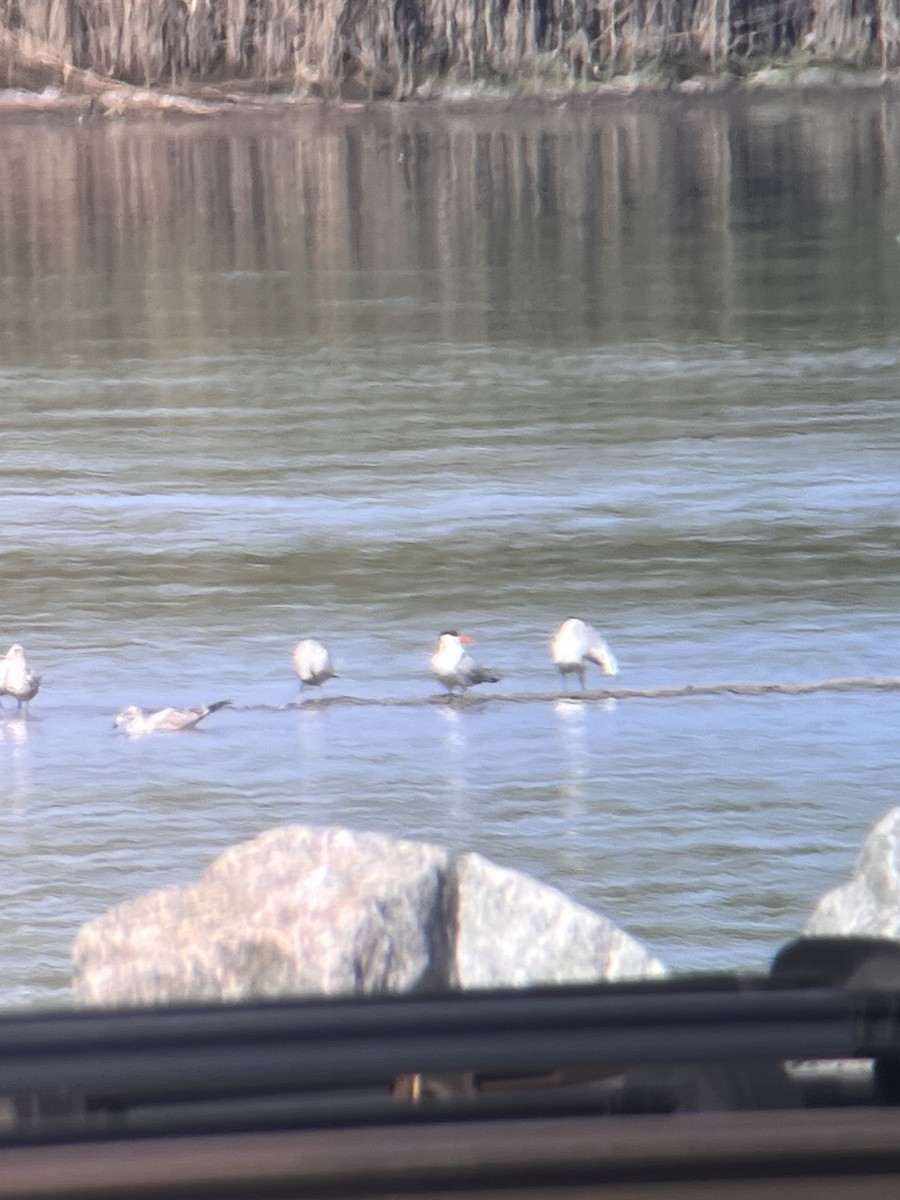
x=304, y=910
x=298, y=910
x=869, y=903
x=513, y=931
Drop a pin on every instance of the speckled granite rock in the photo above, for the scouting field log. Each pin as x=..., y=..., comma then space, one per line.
x=305, y=910
x=869, y=903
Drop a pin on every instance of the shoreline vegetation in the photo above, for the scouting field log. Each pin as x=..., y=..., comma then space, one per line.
x=200, y=56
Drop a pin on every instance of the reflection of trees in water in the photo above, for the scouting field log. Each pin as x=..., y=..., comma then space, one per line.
x=356, y=224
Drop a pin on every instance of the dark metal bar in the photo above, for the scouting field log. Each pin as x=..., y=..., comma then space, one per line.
x=732, y=1155
x=291, y=1045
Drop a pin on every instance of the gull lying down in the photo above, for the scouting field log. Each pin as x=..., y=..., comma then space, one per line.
x=575, y=644
x=16, y=677
x=137, y=722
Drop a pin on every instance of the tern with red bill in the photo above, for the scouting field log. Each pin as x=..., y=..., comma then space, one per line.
x=455, y=667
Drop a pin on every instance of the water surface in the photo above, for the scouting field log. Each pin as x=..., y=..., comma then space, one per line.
x=372, y=375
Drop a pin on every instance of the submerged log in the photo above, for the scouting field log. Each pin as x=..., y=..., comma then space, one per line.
x=36, y=67
x=605, y=695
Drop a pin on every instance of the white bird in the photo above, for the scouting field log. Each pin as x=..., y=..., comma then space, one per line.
x=16, y=677
x=575, y=644
x=455, y=667
x=137, y=721
x=313, y=664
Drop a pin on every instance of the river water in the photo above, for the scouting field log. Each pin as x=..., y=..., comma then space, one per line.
x=374, y=374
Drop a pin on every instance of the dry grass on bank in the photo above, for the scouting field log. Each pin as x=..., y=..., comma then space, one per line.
x=391, y=47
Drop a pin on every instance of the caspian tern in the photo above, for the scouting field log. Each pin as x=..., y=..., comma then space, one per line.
x=137, y=722
x=312, y=662
x=455, y=667
x=575, y=644
x=16, y=678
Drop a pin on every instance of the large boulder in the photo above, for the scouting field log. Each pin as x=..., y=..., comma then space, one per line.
x=306, y=910
x=869, y=903
x=513, y=931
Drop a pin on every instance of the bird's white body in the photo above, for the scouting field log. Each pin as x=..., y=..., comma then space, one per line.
x=575, y=644
x=137, y=722
x=313, y=664
x=16, y=677
x=455, y=667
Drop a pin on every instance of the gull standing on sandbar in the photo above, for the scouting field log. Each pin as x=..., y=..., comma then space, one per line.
x=137, y=722
x=312, y=662
x=455, y=667
x=16, y=677
x=575, y=644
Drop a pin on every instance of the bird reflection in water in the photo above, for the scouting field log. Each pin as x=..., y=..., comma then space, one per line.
x=310, y=734
x=574, y=721
x=14, y=729
x=15, y=762
x=456, y=757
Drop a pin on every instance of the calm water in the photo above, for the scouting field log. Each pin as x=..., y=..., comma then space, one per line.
x=370, y=376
